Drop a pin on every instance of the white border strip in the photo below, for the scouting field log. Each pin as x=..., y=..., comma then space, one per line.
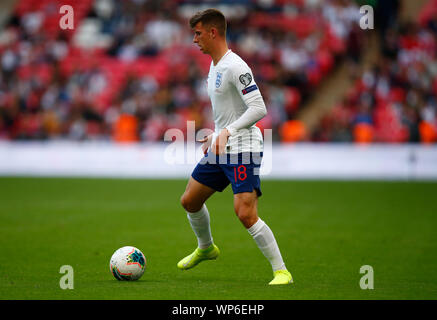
x=147, y=160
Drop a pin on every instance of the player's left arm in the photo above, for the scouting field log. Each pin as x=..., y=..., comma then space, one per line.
x=256, y=110
x=249, y=92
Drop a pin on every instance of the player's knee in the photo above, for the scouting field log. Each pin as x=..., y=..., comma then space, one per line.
x=246, y=212
x=185, y=202
x=189, y=205
x=248, y=219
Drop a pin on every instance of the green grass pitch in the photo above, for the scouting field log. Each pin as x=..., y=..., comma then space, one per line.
x=326, y=231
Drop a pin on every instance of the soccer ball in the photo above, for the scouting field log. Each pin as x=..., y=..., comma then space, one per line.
x=127, y=263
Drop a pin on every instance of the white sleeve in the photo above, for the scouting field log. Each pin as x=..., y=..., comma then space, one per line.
x=250, y=94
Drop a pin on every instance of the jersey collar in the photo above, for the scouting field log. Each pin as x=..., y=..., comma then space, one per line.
x=227, y=52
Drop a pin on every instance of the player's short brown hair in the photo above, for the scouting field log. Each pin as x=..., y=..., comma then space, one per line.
x=210, y=17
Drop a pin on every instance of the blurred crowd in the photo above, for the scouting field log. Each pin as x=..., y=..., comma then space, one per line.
x=129, y=71
x=395, y=100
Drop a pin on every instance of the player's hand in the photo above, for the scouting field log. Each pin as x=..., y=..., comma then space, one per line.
x=206, y=143
x=218, y=147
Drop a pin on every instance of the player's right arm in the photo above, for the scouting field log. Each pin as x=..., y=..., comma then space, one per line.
x=206, y=143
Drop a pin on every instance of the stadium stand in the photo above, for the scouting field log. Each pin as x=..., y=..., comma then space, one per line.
x=129, y=71
x=395, y=100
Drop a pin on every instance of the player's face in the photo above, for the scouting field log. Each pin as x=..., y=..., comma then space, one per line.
x=201, y=37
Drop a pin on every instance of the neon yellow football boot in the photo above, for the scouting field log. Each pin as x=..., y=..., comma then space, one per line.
x=199, y=255
x=281, y=277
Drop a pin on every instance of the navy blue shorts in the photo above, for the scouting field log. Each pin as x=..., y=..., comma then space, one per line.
x=240, y=170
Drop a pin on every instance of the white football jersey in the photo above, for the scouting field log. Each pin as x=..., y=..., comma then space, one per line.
x=232, y=88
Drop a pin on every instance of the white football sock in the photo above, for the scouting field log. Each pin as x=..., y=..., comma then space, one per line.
x=266, y=242
x=199, y=222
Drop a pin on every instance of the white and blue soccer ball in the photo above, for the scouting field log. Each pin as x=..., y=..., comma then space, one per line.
x=127, y=263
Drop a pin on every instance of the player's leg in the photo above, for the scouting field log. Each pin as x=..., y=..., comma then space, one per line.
x=193, y=200
x=242, y=172
x=245, y=205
